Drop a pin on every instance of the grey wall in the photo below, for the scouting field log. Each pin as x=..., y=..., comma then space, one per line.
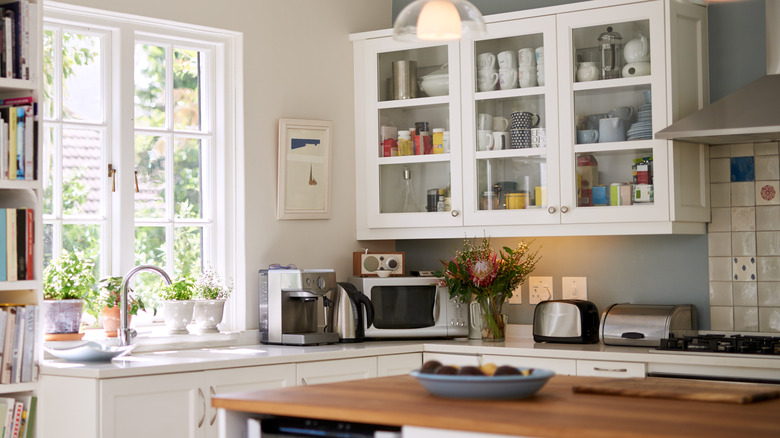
x=636, y=269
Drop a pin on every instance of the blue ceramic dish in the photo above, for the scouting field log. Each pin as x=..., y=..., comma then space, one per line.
x=484, y=387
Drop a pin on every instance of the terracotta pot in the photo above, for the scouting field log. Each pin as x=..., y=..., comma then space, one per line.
x=112, y=320
x=207, y=314
x=177, y=314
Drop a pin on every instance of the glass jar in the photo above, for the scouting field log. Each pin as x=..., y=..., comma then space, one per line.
x=611, y=46
x=489, y=200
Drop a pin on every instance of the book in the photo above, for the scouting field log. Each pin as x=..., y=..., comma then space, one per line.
x=29, y=259
x=4, y=158
x=10, y=241
x=28, y=362
x=20, y=136
x=29, y=144
x=3, y=244
x=12, y=127
x=21, y=244
x=8, y=345
x=8, y=46
x=28, y=426
x=16, y=357
x=3, y=318
x=7, y=415
x=17, y=419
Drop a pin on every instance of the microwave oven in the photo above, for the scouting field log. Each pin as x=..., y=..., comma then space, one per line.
x=412, y=307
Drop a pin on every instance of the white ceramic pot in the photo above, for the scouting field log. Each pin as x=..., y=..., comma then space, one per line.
x=207, y=314
x=435, y=84
x=177, y=314
x=62, y=316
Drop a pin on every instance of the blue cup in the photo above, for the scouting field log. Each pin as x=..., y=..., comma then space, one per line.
x=587, y=136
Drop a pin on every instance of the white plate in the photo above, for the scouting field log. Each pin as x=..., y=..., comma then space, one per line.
x=89, y=352
x=484, y=387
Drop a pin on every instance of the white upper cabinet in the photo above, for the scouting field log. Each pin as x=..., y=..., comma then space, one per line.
x=550, y=120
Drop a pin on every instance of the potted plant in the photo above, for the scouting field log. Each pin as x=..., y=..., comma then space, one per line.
x=177, y=305
x=108, y=302
x=68, y=283
x=491, y=277
x=210, y=295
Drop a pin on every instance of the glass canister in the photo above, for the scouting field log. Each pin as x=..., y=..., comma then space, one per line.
x=611, y=46
x=489, y=200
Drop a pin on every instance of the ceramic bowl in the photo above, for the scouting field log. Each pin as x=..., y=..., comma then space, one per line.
x=435, y=84
x=89, y=352
x=484, y=387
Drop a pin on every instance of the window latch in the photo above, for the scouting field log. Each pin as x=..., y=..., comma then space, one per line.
x=112, y=175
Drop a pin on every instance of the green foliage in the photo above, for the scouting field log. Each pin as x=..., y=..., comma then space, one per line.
x=181, y=289
x=209, y=286
x=110, y=295
x=69, y=277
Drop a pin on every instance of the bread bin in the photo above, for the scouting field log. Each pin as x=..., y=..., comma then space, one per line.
x=566, y=321
x=644, y=325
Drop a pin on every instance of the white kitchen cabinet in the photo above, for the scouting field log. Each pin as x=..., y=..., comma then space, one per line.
x=566, y=367
x=600, y=368
x=328, y=371
x=544, y=178
x=452, y=359
x=398, y=364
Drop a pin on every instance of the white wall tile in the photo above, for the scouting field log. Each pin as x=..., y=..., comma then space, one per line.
x=768, y=243
x=722, y=318
x=769, y=319
x=767, y=193
x=720, y=293
x=745, y=293
x=768, y=268
x=721, y=219
x=743, y=194
x=743, y=219
x=767, y=217
x=743, y=243
x=720, y=268
x=744, y=268
x=768, y=293
x=719, y=244
x=720, y=170
x=720, y=195
x=746, y=319
x=769, y=148
x=742, y=150
x=767, y=167
x=719, y=151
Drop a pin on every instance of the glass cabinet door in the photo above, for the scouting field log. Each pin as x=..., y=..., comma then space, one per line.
x=510, y=132
x=612, y=71
x=412, y=149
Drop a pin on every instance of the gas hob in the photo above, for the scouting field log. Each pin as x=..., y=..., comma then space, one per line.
x=732, y=344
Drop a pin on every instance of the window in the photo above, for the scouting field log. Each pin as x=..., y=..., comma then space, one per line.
x=158, y=190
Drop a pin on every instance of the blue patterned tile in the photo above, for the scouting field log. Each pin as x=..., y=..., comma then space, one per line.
x=743, y=169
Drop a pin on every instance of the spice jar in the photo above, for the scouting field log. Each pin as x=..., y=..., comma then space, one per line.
x=489, y=200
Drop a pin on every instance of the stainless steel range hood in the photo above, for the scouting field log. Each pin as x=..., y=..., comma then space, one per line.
x=750, y=114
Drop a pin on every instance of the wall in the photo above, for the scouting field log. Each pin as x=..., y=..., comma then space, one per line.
x=297, y=63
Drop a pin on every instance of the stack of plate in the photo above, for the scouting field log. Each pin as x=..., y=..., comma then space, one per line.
x=643, y=128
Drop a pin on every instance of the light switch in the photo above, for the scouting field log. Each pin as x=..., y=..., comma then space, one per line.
x=574, y=288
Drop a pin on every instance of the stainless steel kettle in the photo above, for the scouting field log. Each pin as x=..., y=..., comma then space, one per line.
x=344, y=313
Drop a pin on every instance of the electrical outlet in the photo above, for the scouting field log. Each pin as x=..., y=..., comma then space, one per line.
x=540, y=289
x=517, y=295
x=575, y=288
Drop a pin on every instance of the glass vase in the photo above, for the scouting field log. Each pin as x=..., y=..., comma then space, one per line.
x=494, y=319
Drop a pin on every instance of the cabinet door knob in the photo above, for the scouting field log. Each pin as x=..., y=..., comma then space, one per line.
x=455, y=213
x=551, y=210
x=564, y=209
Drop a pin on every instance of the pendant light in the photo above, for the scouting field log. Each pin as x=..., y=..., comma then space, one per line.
x=438, y=20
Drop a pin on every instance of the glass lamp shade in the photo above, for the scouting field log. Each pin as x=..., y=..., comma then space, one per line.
x=438, y=20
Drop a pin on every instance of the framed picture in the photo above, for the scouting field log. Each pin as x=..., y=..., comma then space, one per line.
x=303, y=186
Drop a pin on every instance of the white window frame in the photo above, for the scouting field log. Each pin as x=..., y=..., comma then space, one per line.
x=226, y=66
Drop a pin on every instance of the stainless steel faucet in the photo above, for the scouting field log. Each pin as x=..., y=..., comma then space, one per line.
x=126, y=334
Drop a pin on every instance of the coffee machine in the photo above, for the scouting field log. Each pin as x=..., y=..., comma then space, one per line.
x=291, y=302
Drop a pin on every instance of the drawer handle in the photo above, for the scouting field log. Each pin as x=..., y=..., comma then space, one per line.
x=611, y=370
x=203, y=400
x=214, y=416
x=303, y=381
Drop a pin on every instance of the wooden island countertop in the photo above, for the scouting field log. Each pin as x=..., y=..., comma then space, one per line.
x=555, y=411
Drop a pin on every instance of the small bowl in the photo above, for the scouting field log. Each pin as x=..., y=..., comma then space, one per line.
x=436, y=84
x=382, y=273
x=484, y=387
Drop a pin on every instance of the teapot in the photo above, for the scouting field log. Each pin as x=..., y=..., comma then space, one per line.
x=637, y=50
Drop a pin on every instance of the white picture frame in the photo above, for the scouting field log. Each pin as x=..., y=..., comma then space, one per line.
x=304, y=169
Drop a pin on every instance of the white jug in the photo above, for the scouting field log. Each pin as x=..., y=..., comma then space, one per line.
x=637, y=50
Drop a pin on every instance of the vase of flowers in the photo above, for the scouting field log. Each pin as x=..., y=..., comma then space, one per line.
x=210, y=296
x=491, y=277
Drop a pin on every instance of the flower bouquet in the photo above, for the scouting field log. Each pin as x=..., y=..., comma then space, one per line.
x=490, y=277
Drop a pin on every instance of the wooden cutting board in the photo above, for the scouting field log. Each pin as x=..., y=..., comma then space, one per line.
x=677, y=389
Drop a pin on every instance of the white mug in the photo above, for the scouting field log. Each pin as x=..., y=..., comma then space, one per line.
x=587, y=71
x=485, y=121
x=485, y=140
x=540, y=74
x=507, y=78
x=526, y=57
x=486, y=61
x=507, y=59
x=487, y=80
x=539, y=55
x=611, y=129
x=500, y=140
x=500, y=124
x=526, y=77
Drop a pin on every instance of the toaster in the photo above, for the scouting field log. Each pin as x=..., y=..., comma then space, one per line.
x=566, y=321
x=644, y=325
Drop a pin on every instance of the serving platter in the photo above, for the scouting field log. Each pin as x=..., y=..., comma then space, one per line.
x=484, y=387
x=89, y=352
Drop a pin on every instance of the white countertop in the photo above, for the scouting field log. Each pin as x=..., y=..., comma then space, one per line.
x=175, y=361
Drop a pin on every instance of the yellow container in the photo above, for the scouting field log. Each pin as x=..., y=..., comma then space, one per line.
x=517, y=200
x=541, y=196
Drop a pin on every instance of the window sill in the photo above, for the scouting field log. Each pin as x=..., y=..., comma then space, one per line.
x=157, y=338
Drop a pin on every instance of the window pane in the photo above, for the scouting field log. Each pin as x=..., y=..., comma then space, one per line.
x=48, y=74
x=150, y=165
x=85, y=239
x=149, y=86
x=81, y=173
x=48, y=243
x=187, y=173
x=186, y=89
x=82, y=81
x=48, y=170
x=188, y=247
x=150, y=246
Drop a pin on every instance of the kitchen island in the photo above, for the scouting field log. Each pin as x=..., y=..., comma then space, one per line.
x=555, y=411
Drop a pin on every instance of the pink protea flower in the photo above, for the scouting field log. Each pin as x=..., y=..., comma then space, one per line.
x=484, y=271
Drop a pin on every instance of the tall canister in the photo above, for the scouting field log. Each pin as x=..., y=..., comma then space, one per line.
x=404, y=79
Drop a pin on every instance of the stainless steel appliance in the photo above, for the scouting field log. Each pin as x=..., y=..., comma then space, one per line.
x=646, y=324
x=348, y=312
x=412, y=307
x=566, y=321
x=291, y=306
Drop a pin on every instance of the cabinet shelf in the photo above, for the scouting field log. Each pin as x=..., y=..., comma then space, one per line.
x=19, y=184
x=414, y=159
x=13, y=388
x=640, y=82
x=10, y=84
x=512, y=153
x=622, y=146
x=410, y=103
x=515, y=92
x=19, y=285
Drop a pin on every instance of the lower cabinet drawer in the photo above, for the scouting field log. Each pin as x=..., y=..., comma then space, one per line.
x=598, y=368
x=566, y=367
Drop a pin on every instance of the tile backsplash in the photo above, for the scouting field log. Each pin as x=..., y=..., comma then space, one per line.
x=744, y=237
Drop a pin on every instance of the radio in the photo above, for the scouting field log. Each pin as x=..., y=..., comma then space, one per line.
x=377, y=264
